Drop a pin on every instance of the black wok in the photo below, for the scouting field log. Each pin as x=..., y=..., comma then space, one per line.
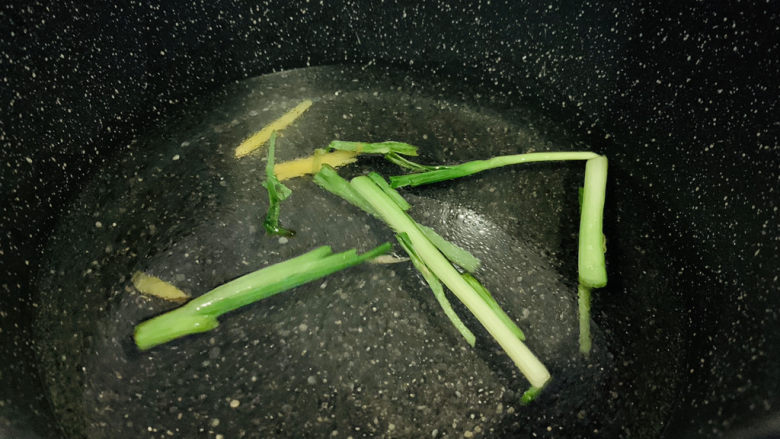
x=116, y=147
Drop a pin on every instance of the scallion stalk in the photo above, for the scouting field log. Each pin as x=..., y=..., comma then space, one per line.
x=388, y=147
x=469, y=168
x=592, y=269
x=583, y=302
x=388, y=210
x=200, y=314
x=457, y=255
x=392, y=193
x=591, y=263
x=331, y=181
x=277, y=192
x=491, y=302
x=408, y=164
x=438, y=290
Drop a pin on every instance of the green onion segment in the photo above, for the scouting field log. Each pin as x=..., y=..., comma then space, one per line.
x=277, y=192
x=200, y=314
x=536, y=373
x=469, y=168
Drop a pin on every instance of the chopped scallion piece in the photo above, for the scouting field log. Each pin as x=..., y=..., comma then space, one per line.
x=408, y=164
x=583, y=301
x=438, y=290
x=200, y=314
x=491, y=302
x=374, y=148
x=277, y=192
x=469, y=168
x=392, y=193
x=399, y=221
x=457, y=255
x=530, y=395
x=331, y=181
x=591, y=264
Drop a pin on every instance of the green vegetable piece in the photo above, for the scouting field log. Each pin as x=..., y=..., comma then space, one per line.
x=277, y=192
x=592, y=244
x=530, y=395
x=528, y=364
x=330, y=180
x=200, y=314
x=591, y=264
x=488, y=298
x=438, y=290
x=374, y=148
x=469, y=168
x=583, y=301
x=457, y=255
x=392, y=193
x=408, y=164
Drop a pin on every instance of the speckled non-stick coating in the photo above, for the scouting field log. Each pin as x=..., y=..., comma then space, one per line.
x=682, y=98
x=366, y=351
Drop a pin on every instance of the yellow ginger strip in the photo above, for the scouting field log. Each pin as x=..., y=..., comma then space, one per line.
x=313, y=164
x=154, y=286
x=259, y=138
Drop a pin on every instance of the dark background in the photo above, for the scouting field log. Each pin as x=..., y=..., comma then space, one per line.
x=685, y=96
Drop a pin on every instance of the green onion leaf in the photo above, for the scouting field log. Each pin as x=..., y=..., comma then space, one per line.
x=392, y=193
x=457, y=255
x=491, y=302
x=330, y=180
x=400, y=222
x=469, y=168
x=583, y=302
x=374, y=148
x=277, y=192
x=438, y=290
x=408, y=164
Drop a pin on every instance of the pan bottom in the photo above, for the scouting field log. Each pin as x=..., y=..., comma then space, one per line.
x=367, y=351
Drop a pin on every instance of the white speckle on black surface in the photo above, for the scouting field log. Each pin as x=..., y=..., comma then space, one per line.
x=686, y=93
x=371, y=338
